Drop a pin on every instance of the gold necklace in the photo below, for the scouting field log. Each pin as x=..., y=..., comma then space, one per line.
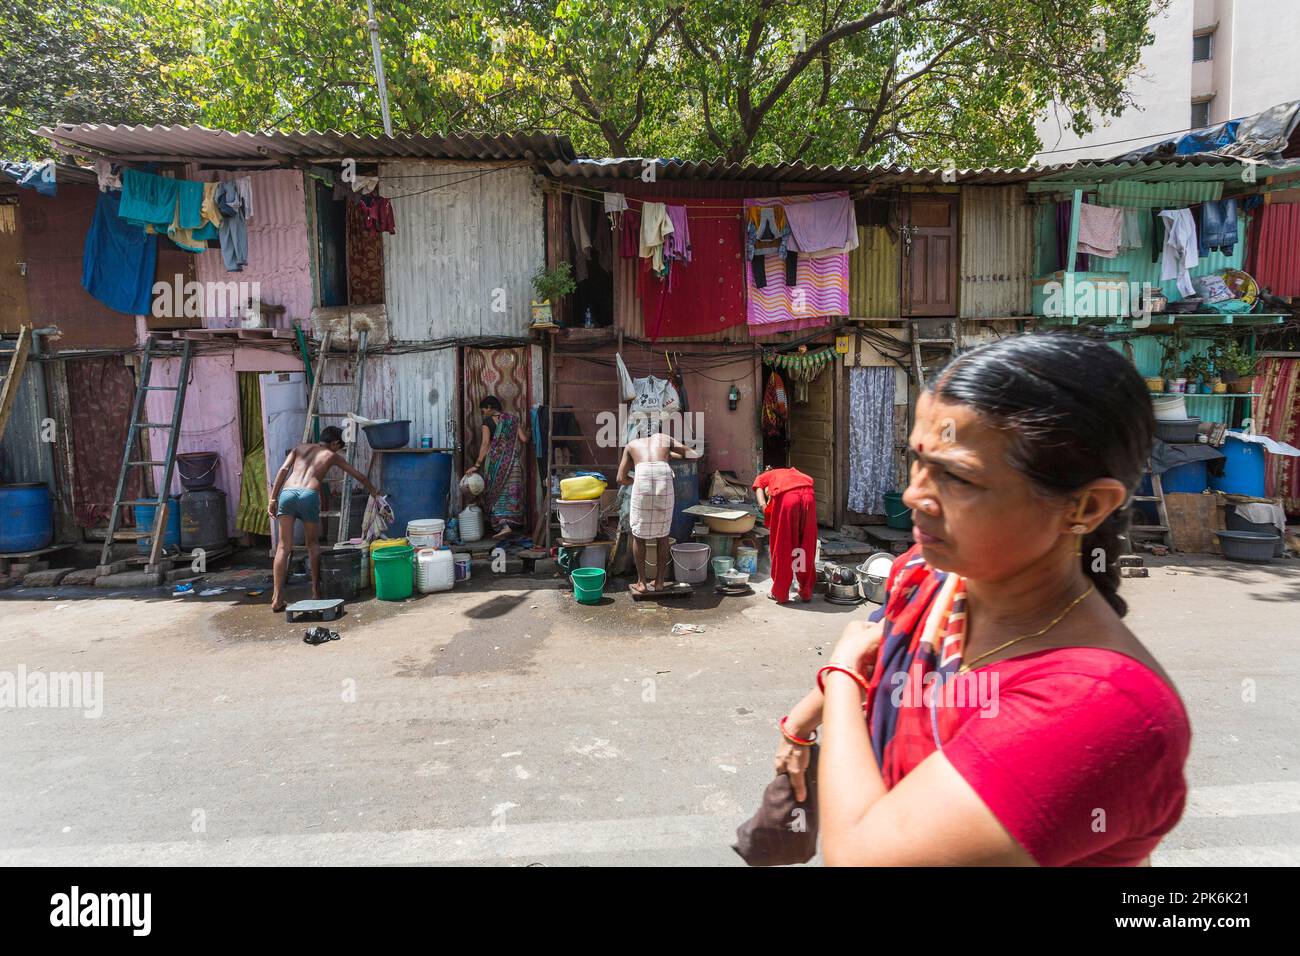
x=967, y=665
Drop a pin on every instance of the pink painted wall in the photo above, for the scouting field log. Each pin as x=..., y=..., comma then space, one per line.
x=278, y=254
x=211, y=418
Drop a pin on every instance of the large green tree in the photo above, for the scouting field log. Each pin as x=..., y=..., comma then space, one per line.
x=90, y=61
x=827, y=81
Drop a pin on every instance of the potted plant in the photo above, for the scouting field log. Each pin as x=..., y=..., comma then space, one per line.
x=1241, y=365
x=551, y=285
x=1197, y=371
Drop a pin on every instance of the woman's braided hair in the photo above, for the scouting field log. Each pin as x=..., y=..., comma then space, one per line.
x=1075, y=410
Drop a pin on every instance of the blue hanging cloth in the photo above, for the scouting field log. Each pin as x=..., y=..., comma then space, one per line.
x=118, y=262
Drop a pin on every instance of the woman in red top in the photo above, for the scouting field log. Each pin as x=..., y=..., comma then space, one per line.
x=1012, y=718
x=790, y=515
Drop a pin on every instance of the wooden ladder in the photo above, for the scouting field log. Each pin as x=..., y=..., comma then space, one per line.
x=311, y=426
x=13, y=376
x=1161, y=530
x=918, y=341
x=134, y=432
x=554, y=470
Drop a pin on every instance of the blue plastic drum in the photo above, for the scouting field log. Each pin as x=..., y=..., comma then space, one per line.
x=26, y=518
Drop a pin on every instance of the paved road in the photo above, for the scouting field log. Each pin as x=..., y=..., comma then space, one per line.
x=506, y=725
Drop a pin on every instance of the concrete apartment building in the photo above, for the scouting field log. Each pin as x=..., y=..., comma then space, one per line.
x=1211, y=61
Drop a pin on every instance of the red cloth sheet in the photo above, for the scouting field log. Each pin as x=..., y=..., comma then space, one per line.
x=708, y=294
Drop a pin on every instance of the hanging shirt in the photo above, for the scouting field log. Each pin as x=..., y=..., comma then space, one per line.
x=1179, y=255
x=234, y=230
x=655, y=227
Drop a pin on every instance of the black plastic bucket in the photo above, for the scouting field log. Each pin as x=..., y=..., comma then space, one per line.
x=198, y=469
x=340, y=573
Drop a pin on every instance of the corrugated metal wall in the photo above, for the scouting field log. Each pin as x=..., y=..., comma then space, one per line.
x=211, y=418
x=278, y=255
x=469, y=238
x=23, y=455
x=874, y=275
x=997, y=251
x=53, y=237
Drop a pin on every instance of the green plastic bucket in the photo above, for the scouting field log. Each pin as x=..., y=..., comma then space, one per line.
x=897, y=514
x=394, y=573
x=588, y=584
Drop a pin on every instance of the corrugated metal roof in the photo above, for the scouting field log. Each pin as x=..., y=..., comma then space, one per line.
x=635, y=167
x=200, y=142
x=1182, y=168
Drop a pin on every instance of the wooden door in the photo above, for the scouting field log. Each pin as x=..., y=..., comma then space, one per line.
x=14, y=312
x=812, y=439
x=930, y=255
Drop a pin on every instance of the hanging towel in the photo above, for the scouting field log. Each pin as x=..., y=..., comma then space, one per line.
x=1100, y=228
x=149, y=199
x=1130, y=236
x=615, y=206
x=118, y=261
x=1179, y=256
x=820, y=292
x=579, y=219
x=234, y=230
x=824, y=224
x=655, y=227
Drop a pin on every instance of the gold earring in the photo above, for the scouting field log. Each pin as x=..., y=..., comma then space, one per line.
x=1079, y=529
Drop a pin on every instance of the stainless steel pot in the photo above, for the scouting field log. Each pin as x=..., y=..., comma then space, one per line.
x=873, y=579
x=846, y=591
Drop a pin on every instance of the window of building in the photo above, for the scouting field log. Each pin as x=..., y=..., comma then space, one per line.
x=1200, y=114
x=1203, y=47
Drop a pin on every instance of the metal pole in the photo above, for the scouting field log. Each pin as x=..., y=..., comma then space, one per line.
x=373, y=26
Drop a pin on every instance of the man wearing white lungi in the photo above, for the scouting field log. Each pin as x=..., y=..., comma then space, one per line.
x=645, y=467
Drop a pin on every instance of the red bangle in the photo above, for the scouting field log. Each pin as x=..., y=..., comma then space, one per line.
x=861, y=681
x=792, y=738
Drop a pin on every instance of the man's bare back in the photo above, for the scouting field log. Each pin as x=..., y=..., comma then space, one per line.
x=308, y=464
x=657, y=447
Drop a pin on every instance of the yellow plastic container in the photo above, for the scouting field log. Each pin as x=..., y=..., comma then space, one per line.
x=379, y=543
x=582, y=488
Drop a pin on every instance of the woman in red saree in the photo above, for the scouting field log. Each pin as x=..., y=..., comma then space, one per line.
x=501, y=447
x=1011, y=717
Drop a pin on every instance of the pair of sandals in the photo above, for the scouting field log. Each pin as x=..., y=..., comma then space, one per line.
x=320, y=635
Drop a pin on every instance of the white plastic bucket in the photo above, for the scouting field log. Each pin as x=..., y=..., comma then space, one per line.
x=594, y=555
x=434, y=570
x=691, y=562
x=471, y=523
x=425, y=532
x=1169, y=407
x=578, y=519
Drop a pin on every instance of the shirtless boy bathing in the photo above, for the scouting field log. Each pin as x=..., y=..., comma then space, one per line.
x=645, y=467
x=297, y=495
